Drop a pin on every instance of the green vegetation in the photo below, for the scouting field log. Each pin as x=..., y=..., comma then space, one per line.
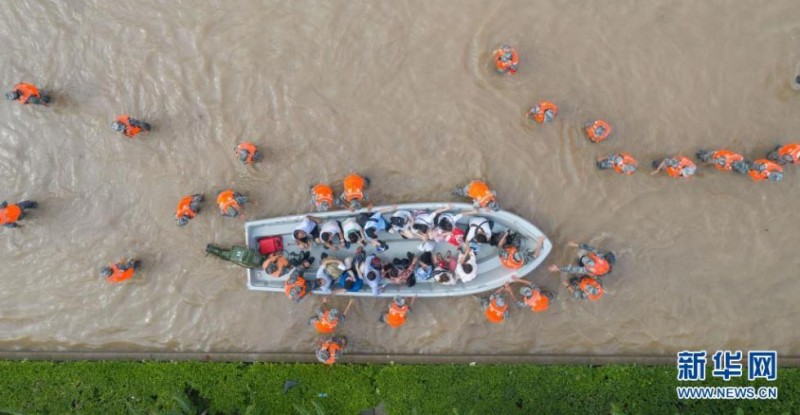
x=237, y=388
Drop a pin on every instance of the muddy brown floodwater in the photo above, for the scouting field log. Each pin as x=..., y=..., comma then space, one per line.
x=401, y=91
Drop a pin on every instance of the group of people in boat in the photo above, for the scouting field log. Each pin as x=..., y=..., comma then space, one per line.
x=770, y=167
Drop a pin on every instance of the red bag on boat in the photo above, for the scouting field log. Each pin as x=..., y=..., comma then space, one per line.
x=456, y=237
x=270, y=244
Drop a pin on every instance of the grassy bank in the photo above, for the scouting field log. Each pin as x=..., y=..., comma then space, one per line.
x=190, y=387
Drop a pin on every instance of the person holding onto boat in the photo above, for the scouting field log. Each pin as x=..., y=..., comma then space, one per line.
x=330, y=350
x=120, y=271
x=480, y=193
x=679, y=167
x=622, y=163
x=10, y=214
x=130, y=127
x=765, y=170
x=544, y=112
x=188, y=208
x=785, y=154
x=27, y=94
x=532, y=296
x=584, y=287
x=306, y=232
x=724, y=160
x=505, y=60
x=591, y=261
x=327, y=318
x=248, y=153
x=512, y=256
x=466, y=265
x=321, y=197
x=331, y=235
x=597, y=130
x=230, y=203
x=397, y=313
x=495, y=307
x=354, y=193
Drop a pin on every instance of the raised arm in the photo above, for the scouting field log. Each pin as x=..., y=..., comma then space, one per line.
x=539, y=245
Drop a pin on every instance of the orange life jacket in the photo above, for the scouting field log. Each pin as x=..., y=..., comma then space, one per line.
x=26, y=91
x=298, y=282
x=353, y=187
x=332, y=348
x=678, y=171
x=728, y=158
x=10, y=214
x=185, y=208
x=325, y=326
x=627, y=160
x=601, y=266
x=508, y=258
x=769, y=168
x=538, y=113
x=130, y=130
x=250, y=148
x=118, y=275
x=537, y=301
x=396, y=316
x=226, y=200
x=495, y=313
x=509, y=66
x=790, y=150
x=592, y=133
x=586, y=282
x=480, y=192
x=322, y=193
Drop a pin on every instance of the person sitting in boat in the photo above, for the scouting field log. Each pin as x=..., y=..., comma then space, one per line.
x=248, y=153
x=466, y=265
x=130, y=127
x=400, y=222
x=785, y=154
x=15, y=212
x=373, y=222
x=120, y=271
x=424, y=267
x=622, y=163
x=330, y=350
x=349, y=282
x=331, y=235
x=327, y=318
x=425, y=223
x=724, y=160
x=480, y=193
x=321, y=197
x=505, y=59
x=404, y=270
x=443, y=276
x=370, y=271
x=188, y=208
x=330, y=270
x=495, y=307
x=354, y=193
x=765, y=170
x=532, y=296
x=306, y=232
x=679, y=167
x=230, y=203
x=27, y=94
x=353, y=233
x=591, y=261
x=397, y=313
x=445, y=224
x=585, y=287
x=479, y=231
x=512, y=255
x=277, y=264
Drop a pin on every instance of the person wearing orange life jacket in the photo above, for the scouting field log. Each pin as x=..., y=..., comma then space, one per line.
x=495, y=307
x=10, y=214
x=585, y=288
x=597, y=130
x=544, y=112
x=680, y=167
x=188, y=208
x=785, y=154
x=724, y=160
x=505, y=59
x=622, y=163
x=591, y=261
x=397, y=313
x=27, y=94
x=321, y=197
x=480, y=193
x=327, y=318
x=230, y=203
x=512, y=255
x=129, y=126
x=354, y=193
x=533, y=297
x=248, y=153
x=120, y=271
x=765, y=170
x=330, y=349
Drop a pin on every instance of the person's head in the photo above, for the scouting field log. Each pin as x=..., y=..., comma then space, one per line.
x=606, y=163
x=481, y=238
x=444, y=277
x=232, y=212
x=106, y=272
x=400, y=301
x=500, y=301
x=775, y=176
x=299, y=234
x=610, y=258
x=526, y=292
x=12, y=96
x=326, y=237
x=586, y=261
x=323, y=354
x=371, y=233
x=591, y=289
x=372, y=275
x=323, y=206
x=389, y=271
x=355, y=204
x=353, y=237
x=375, y=262
x=445, y=224
x=549, y=115
x=420, y=227
x=426, y=258
x=493, y=206
x=183, y=220
x=118, y=126
x=467, y=268
x=348, y=283
x=398, y=221
x=271, y=268
x=333, y=314
x=294, y=293
x=243, y=155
